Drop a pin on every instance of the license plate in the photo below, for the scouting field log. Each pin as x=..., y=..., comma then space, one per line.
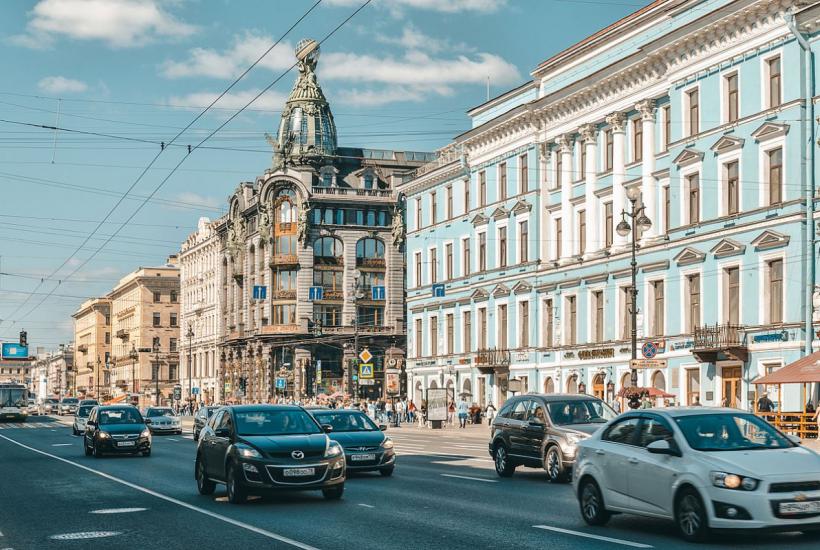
x=362, y=458
x=126, y=443
x=298, y=472
x=810, y=507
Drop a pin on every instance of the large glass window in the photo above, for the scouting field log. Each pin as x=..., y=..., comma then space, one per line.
x=775, y=162
x=330, y=280
x=284, y=314
x=369, y=249
x=371, y=316
x=327, y=315
x=328, y=251
x=284, y=279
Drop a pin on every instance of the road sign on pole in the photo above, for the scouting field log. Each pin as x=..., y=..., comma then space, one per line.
x=365, y=355
x=260, y=292
x=316, y=293
x=647, y=363
x=366, y=371
x=377, y=293
x=649, y=350
x=281, y=383
x=438, y=290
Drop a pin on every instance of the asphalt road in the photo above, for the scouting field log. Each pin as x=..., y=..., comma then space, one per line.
x=444, y=494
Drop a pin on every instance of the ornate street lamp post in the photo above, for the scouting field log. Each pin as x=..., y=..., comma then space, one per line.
x=624, y=228
x=156, y=374
x=190, y=335
x=134, y=356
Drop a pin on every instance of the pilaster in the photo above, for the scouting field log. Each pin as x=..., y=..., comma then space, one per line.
x=617, y=122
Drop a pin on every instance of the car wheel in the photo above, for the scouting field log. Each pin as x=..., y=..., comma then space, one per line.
x=335, y=492
x=96, y=451
x=690, y=516
x=592, y=503
x=196, y=436
x=146, y=453
x=86, y=448
x=387, y=472
x=237, y=494
x=554, y=465
x=74, y=431
x=503, y=466
x=204, y=485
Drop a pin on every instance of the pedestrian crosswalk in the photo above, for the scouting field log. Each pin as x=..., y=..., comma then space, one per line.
x=13, y=425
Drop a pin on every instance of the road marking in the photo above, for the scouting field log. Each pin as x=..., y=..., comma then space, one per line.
x=484, y=479
x=596, y=537
x=171, y=439
x=366, y=505
x=85, y=535
x=62, y=444
x=117, y=510
x=203, y=511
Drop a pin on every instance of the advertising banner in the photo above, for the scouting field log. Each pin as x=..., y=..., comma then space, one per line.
x=437, y=404
x=392, y=381
x=12, y=350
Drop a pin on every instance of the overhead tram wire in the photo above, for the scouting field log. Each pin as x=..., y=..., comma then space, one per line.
x=182, y=160
x=154, y=160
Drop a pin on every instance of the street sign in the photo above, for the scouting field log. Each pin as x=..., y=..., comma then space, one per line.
x=649, y=350
x=281, y=383
x=355, y=377
x=177, y=393
x=366, y=370
x=438, y=291
x=316, y=293
x=647, y=364
x=365, y=355
x=194, y=391
x=377, y=293
x=260, y=292
x=367, y=382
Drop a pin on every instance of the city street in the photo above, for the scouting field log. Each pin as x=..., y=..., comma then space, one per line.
x=444, y=494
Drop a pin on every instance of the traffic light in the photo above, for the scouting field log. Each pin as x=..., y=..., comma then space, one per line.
x=23, y=338
x=242, y=384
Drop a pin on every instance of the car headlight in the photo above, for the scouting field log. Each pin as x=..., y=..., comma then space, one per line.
x=733, y=481
x=145, y=433
x=247, y=452
x=387, y=443
x=573, y=439
x=334, y=449
x=104, y=435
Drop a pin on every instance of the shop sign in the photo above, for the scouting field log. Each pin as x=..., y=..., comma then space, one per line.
x=495, y=357
x=569, y=355
x=647, y=363
x=464, y=361
x=426, y=363
x=522, y=356
x=600, y=353
x=683, y=344
x=782, y=336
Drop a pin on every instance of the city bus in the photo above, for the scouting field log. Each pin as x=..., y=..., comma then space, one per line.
x=13, y=402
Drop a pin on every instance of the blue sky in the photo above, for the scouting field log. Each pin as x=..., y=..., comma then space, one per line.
x=400, y=75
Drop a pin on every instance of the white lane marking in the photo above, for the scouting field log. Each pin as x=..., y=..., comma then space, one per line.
x=117, y=510
x=366, y=505
x=62, y=444
x=454, y=457
x=188, y=437
x=85, y=535
x=596, y=537
x=220, y=517
x=171, y=439
x=484, y=479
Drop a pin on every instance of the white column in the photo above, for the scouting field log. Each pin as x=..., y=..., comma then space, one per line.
x=648, y=185
x=543, y=216
x=567, y=221
x=617, y=122
x=589, y=135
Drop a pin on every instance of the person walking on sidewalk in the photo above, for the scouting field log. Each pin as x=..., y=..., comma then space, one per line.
x=490, y=414
x=451, y=413
x=462, y=413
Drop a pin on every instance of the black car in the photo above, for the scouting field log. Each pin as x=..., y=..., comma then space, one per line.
x=116, y=429
x=367, y=448
x=257, y=448
x=201, y=417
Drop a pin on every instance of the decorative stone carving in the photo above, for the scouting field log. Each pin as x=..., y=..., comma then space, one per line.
x=617, y=121
x=303, y=224
x=564, y=143
x=265, y=221
x=589, y=133
x=398, y=229
x=647, y=109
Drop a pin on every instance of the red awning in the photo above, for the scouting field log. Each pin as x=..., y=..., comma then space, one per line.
x=802, y=371
x=650, y=391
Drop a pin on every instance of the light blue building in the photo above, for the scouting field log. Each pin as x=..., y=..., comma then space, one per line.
x=704, y=113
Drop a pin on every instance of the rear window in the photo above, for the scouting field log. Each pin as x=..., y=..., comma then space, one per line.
x=84, y=411
x=586, y=411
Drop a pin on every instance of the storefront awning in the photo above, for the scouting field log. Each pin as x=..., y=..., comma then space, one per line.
x=802, y=371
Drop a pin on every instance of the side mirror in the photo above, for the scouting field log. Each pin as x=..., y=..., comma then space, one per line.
x=222, y=432
x=147, y=420
x=327, y=428
x=383, y=427
x=794, y=439
x=662, y=447
x=90, y=423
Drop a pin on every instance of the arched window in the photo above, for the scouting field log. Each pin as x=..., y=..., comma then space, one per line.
x=572, y=384
x=626, y=380
x=369, y=249
x=328, y=251
x=659, y=380
x=467, y=387
x=433, y=385
x=549, y=385
x=286, y=211
x=598, y=386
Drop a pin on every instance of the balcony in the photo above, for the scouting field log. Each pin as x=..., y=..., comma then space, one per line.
x=352, y=192
x=333, y=295
x=284, y=259
x=719, y=342
x=122, y=334
x=283, y=295
x=377, y=263
x=493, y=361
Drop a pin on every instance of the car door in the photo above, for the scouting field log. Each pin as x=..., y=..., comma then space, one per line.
x=613, y=455
x=519, y=445
x=651, y=475
x=535, y=430
x=207, y=445
x=90, y=427
x=220, y=444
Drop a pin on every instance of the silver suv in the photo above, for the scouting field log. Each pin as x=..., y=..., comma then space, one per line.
x=541, y=431
x=68, y=405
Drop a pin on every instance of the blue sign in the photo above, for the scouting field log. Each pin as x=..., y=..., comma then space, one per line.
x=260, y=292
x=316, y=293
x=438, y=291
x=14, y=351
x=377, y=292
x=771, y=337
x=194, y=391
x=281, y=383
x=355, y=377
x=649, y=350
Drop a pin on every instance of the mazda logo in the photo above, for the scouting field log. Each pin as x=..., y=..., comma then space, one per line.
x=298, y=455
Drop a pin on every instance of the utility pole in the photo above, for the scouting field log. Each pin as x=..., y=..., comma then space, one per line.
x=99, y=363
x=357, y=293
x=134, y=356
x=190, y=335
x=156, y=374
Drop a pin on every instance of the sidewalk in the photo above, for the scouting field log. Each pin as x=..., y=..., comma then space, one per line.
x=477, y=431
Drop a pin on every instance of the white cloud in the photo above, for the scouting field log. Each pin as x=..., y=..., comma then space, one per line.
x=61, y=84
x=412, y=38
x=190, y=197
x=119, y=23
x=244, y=50
x=379, y=97
x=444, y=6
x=270, y=100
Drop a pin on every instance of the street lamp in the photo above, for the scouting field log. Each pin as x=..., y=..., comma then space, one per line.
x=639, y=219
x=134, y=356
x=190, y=336
x=98, y=377
x=357, y=294
x=156, y=373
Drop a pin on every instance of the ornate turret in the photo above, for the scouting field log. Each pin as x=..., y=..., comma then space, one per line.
x=307, y=131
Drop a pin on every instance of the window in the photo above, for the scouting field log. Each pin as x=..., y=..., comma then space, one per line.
x=108, y=319
x=156, y=318
x=419, y=282
x=654, y=429
x=572, y=320
x=693, y=293
x=582, y=231
x=775, y=291
x=173, y=319
x=330, y=280
x=608, y=150
x=667, y=209
x=658, y=308
x=774, y=159
x=693, y=106
x=559, y=169
x=107, y=337
x=608, y=224
x=549, y=315
x=774, y=76
x=524, y=324
x=172, y=344
x=467, y=345
x=449, y=204
x=482, y=251
x=466, y=195
x=448, y=261
x=523, y=241
x=502, y=326
x=626, y=318
x=523, y=174
x=327, y=315
x=173, y=296
x=637, y=140
x=284, y=314
x=418, y=213
x=559, y=238
x=502, y=181
x=419, y=340
x=433, y=210
x=598, y=316
x=732, y=172
x=692, y=386
x=583, y=161
x=450, y=336
x=327, y=251
x=667, y=127
x=172, y=371
x=502, y=247
x=157, y=297
x=482, y=328
x=732, y=309
x=693, y=193
x=433, y=265
x=368, y=181
x=465, y=260
x=155, y=343
x=732, y=100
x=482, y=188
x=623, y=431
x=370, y=316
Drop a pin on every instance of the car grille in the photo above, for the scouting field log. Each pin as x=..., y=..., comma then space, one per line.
x=276, y=474
x=121, y=437
x=361, y=449
x=793, y=486
x=287, y=454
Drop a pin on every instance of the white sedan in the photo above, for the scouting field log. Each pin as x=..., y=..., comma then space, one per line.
x=703, y=468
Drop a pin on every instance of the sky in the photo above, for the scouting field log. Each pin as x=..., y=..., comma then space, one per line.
x=80, y=207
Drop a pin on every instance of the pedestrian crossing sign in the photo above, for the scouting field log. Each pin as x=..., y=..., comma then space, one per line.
x=366, y=370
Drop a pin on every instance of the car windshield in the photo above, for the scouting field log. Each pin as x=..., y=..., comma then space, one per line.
x=120, y=416
x=730, y=432
x=70, y=401
x=151, y=413
x=52, y=401
x=346, y=421
x=582, y=411
x=283, y=422
x=84, y=411
x=13, y=397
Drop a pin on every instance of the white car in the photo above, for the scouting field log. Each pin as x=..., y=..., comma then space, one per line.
x=81, y=418
x=703, y=468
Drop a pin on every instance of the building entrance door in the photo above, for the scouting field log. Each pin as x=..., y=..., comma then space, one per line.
x=731, y=386
x=598, y=386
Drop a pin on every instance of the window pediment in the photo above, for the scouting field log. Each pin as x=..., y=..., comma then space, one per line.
x=522, y=287
x=689, y=256
x=728, y=247
x=520, y=207
x=770, y=239
x=770, y=130
x=500, y=213
x=479, y=219
x=500, y=291
x=688, y=156
x=727, y=143
x=480, y=295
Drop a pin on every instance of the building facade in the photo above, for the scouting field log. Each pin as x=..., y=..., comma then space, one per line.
x=312, y=266
x=200, y=308
x=145, y=325
x=700, y=111
x=92, y=341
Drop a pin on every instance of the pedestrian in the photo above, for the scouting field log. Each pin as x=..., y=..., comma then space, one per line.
x=617, y=406
x=462, y=413
x=490, y=413
x=451, y=413
x=764, y=404
x=411, y=412
x=696, y=402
